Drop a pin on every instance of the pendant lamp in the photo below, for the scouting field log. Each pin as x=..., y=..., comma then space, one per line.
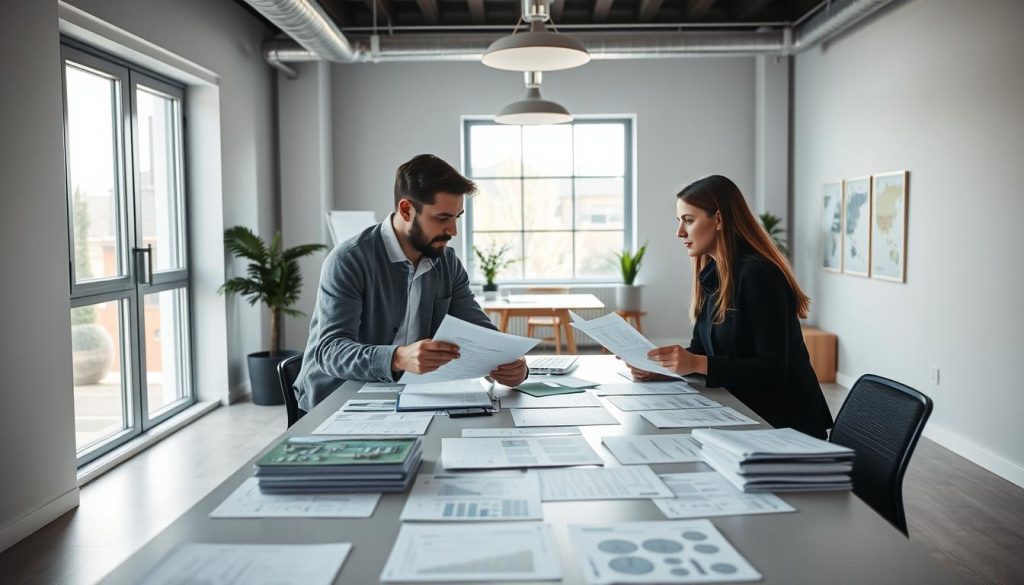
x=533, y=109
x=538, y=49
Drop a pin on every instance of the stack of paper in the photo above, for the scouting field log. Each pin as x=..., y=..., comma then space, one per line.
x=776, y=460
x=304, y=465
x=474, y=393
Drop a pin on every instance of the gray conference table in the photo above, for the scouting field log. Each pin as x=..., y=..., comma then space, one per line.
x=833, y=537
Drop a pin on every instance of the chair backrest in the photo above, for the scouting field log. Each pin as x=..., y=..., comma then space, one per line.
x=287, y=373
x=547, y=290
x=881, y=420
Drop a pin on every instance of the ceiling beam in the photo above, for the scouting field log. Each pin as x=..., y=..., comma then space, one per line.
x=601, y=10
x=745, y=9
x=476, y=11
x=556, y=10
x=338, y=10
x=697, y=9
x=648, y=10
x=428, y=8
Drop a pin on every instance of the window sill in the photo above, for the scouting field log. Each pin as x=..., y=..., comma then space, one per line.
x=144, y=441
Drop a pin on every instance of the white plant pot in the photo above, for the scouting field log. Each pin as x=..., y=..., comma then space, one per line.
x=629, y=297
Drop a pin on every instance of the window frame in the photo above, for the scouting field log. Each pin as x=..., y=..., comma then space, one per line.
x=629, y=198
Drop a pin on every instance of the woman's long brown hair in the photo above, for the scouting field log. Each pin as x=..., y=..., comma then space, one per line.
x=739, y=226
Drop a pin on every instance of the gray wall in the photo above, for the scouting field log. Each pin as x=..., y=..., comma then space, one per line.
x=36, y=418
x=933, y=87
x=221, y=36
x=694, y=117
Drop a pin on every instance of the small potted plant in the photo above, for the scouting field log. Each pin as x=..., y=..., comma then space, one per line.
x=492, y=261
x=275, y=280
x=629, y=295
x=773, y=225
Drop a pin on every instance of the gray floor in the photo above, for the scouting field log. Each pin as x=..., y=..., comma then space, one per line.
x=966, y=517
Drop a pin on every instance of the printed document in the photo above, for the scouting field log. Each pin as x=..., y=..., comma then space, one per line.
x=635, y=482
x=518, y=551
x=481, y=350
x=498, y=453
x=250, y=564
x=376, y=423
x=516, y=399
x=651, y=449
x=662, y=402
x=639, y=388
x=697, y=417
x=474, y=393
x=523, y=432
x=706, y=493
x=248, y=502
x=562, y=417
x=474, y=496
x=623, y=340
x=356, y=405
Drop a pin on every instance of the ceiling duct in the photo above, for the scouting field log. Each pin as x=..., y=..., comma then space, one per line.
x=317, y=38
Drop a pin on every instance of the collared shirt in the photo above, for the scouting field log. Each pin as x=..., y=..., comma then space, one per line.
x=409, y=330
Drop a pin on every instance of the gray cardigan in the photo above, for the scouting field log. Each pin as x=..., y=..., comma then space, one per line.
x=361, y=302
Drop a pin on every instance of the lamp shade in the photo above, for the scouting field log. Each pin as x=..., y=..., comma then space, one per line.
x=533, y=110
x=536, y=50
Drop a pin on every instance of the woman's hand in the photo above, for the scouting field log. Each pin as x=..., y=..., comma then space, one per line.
x=680, y=361
x=645, y=376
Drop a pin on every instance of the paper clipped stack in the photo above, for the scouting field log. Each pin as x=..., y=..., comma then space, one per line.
x=776, y=460
x=331, y=465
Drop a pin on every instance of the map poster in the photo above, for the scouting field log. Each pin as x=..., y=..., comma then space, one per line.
x=889, y=226
x=832, y=226
x=857, y=226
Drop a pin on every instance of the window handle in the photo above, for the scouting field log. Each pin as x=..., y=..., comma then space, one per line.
x=144, y=262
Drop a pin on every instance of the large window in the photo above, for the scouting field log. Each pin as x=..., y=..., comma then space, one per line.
x=559, y=197
x=130, y=327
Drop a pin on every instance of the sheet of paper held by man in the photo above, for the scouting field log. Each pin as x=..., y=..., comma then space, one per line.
x=481, y=351
x=250, y=564
x=623, y=340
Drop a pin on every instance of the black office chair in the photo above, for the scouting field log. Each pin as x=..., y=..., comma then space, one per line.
x=881, y=420
x=287, y=373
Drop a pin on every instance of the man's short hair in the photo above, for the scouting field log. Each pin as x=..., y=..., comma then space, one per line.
x=423, y=177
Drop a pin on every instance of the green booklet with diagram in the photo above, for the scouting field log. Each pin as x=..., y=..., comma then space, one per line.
x=318, y=452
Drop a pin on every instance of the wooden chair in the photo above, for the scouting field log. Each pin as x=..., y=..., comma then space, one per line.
x=635, y=316
x=555, y=323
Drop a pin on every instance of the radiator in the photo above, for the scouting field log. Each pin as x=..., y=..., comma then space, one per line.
x=517, y=325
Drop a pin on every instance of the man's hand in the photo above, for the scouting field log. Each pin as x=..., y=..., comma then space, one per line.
x=511, y=374
x=423, y=356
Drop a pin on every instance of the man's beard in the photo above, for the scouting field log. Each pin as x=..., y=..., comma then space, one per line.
x=420, y=242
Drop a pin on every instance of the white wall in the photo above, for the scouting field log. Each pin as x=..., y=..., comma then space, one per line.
x=222, y=37
x=36, y=419
x=694, y=117
x=933, y=87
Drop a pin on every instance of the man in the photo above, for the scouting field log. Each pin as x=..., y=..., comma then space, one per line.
x=384, y=292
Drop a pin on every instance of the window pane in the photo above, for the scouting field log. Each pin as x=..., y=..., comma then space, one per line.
x=497, y=205
x=166, y=325
x=600, y=204
x=547, y=204
x=492, y=241
x=595, y=254
x=495, y=151
x=600, y=149
x=548, y=256
x=159, y=188
x=99, y=372
x=92, y=128
x=547, y=151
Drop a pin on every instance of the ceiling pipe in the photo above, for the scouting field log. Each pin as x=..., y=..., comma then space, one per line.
x=834, y=17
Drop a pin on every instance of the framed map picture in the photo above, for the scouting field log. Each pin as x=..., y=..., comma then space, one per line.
x=889, y=226
x=832, y=226
x=857, y=226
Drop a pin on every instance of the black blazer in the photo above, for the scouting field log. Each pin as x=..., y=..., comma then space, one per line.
x=758, y=352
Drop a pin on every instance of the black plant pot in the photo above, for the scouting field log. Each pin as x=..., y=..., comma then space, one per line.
x=266, y=389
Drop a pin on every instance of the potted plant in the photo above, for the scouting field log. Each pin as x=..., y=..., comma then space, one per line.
x=492, y=261
x=628, y=295
x=273, y=279
x=773, y=225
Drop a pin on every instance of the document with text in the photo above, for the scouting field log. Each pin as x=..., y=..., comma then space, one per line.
x=697, y=417
x=623, y=340
x=522, y=432
x=474, y=496
x=376, y=423
x=651, y=449
x=481, y=351
x=515, y=399
x=249, y=502
x=641, y=388
x=662, y=402
x=562, y=417
x=633, y=482
x=250, y=564
x=707, y=493
x=498, y=453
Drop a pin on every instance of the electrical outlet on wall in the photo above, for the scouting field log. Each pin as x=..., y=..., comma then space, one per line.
x=934, y=375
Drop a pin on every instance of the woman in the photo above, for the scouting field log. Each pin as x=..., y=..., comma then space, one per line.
x=745, y=305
